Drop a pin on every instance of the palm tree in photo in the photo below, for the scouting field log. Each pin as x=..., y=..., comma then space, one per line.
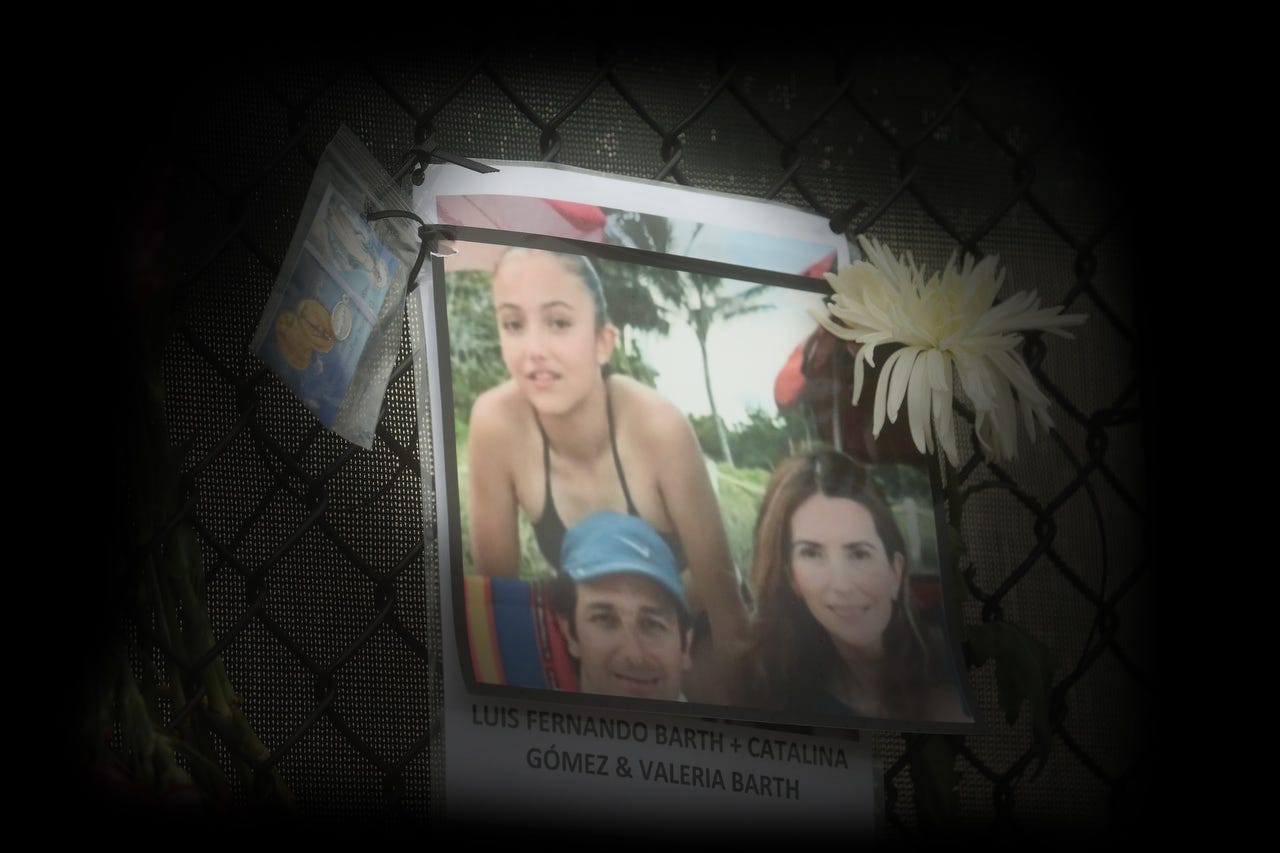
x=702, y=300
x=633, y=291
x=706, y=301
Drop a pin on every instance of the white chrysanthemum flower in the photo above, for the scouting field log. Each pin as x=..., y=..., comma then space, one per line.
x=943, y=323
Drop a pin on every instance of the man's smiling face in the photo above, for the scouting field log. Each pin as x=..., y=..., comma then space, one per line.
x=628, y=640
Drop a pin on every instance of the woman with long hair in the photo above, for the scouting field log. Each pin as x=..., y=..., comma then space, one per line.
x=835, y=630
x=562, y=438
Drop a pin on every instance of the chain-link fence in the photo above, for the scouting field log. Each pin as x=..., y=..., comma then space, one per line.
x=320, y=584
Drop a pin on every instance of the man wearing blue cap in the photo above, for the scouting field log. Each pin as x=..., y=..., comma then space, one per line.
x=622, y=607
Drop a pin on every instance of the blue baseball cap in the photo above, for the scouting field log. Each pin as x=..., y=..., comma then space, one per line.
x=612, y=543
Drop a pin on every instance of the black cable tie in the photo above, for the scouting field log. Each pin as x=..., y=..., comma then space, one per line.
x=408, y=162
x=417, y=159
x=375, y=215
x=465, y=162
x=429, y=233
x=432, y=234
x=417, y=267
x=428, y=150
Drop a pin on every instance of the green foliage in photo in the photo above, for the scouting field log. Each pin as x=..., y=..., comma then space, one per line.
x=474, y=352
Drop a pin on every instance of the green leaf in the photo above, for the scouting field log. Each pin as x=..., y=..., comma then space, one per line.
x=1024, y=671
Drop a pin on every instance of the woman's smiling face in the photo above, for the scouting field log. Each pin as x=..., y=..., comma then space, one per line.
x=840, y=570
x=547, y=329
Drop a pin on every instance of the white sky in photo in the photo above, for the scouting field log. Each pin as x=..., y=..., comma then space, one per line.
x=746, y=352
x=744, y=248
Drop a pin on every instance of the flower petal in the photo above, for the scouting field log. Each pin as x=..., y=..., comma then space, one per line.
x=973, y=372
x=882, y=390
x=938, y=370
x=859, y=374
x=1015, y=370
x=834, y=328
x=1004, y=423
x=982, y=429
x=918, y=402
x=902, y=377
x=953, y=333
x=1028, y=416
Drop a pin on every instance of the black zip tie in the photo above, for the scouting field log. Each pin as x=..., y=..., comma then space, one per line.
x=409, y=161
x=429, y=233
x=421, y=155
x=427, y=151
x=417, y=159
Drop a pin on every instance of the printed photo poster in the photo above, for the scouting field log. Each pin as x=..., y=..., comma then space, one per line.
x=631, y=490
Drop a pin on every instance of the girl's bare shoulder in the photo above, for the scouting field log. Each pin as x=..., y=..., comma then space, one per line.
x=645, y=412
x=499, y=414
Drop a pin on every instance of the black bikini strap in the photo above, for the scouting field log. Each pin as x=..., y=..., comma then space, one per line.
x=548, y=503
x=617, y=460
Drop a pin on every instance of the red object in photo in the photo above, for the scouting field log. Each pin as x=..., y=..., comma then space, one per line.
x=551, y=217
x=584, y=218
x=788, y=385
x=819, y=374
x=822, y=266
